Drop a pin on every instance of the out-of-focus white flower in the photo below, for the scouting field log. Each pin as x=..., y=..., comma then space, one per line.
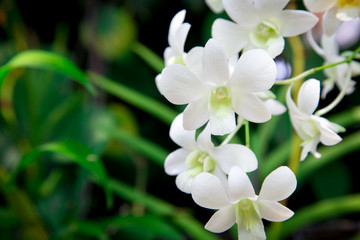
x=260, y=24
x=311, y=129
x=239, y=203
x=215, y=5
x=348, y=33
x=200, y=155
x=339, y=73
x=336, y=12
x=215, y=94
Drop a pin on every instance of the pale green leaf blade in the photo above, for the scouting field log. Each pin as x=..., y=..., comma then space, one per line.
x=41, y=59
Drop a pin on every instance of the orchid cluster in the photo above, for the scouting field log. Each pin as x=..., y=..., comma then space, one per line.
x=227, y=83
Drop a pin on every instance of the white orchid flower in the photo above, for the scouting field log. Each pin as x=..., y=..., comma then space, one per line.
x=260, y=24
x=200, y=155
x=178, y=32
x=337, y=74
x=239, y=203
x=215, y=94
x=215, y=5
x=310, y=128
x=336, y=12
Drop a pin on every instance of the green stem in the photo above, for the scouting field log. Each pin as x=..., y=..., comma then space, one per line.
x=323, y=210
x=231, y=135
x=308, y=72
x=294, y=161
x=318, y=69
x=145, y=103
x=180, y=217
x=141, y=175
x=298, y=66
x=247, y=134
x=153, y=60
x=338, y=99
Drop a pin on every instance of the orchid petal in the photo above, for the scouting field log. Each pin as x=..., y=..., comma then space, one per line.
x=180, y=136
x=310, y=146
x=178, y=31
x=215, y=64
x=330, y=47
x=222, y=220
x=257, y=232
x=330, y=22
x=319, y=5
x=230, y=35
x=275, y=46
x=254, y=72
x=178, y=40
x=223, y=124
x=184, y=181
x=169, y=53
x=274, y=211
x=278, y=185
x=271, y=6
x=309, y=95
x=328, y=136
x=204, y=139
x=175, y=23
x=175, y=161
x=251, y=108
x=208, y=192
x=240, y=186
x=355, y=68
x=215, y=5
x=295, y=113
x=179, y=85
x=230, y=155
x=221, y=176
x=275, y=107
x=193, y=60
x=196, y=114
x=295, y=22
x=242, y=11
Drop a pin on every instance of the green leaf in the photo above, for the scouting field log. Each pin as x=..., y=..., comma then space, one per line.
x=150, y=226
x=46, y=60
x=89, y=229
x=149, y=149
x=179, y=216
x=153, y=60
x=333, y=180
x=349, y=144
x=77, y=153
x=319, y=211
x=7, y=218
x=145, y=103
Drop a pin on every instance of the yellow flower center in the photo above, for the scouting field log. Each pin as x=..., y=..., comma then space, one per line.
x=348, y=3
x=348, y=9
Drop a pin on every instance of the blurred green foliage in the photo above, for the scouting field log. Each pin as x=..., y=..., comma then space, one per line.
x=84, y=131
